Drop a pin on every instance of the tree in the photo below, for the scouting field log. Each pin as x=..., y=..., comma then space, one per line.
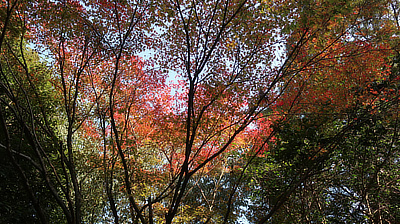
x=295, y=176
x=124, y=145
x=340, y=169
x=27, y=118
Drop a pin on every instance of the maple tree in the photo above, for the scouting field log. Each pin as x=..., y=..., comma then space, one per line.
x=348, y=163
x=261, y=86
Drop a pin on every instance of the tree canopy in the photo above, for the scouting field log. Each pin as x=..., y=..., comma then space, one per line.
x=219, y=111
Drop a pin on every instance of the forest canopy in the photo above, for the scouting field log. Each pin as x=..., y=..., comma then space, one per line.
x=217, y=111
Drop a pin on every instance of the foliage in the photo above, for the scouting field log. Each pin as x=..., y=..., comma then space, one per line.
x=28, y=114
x=282, y=111
x=332, y=168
